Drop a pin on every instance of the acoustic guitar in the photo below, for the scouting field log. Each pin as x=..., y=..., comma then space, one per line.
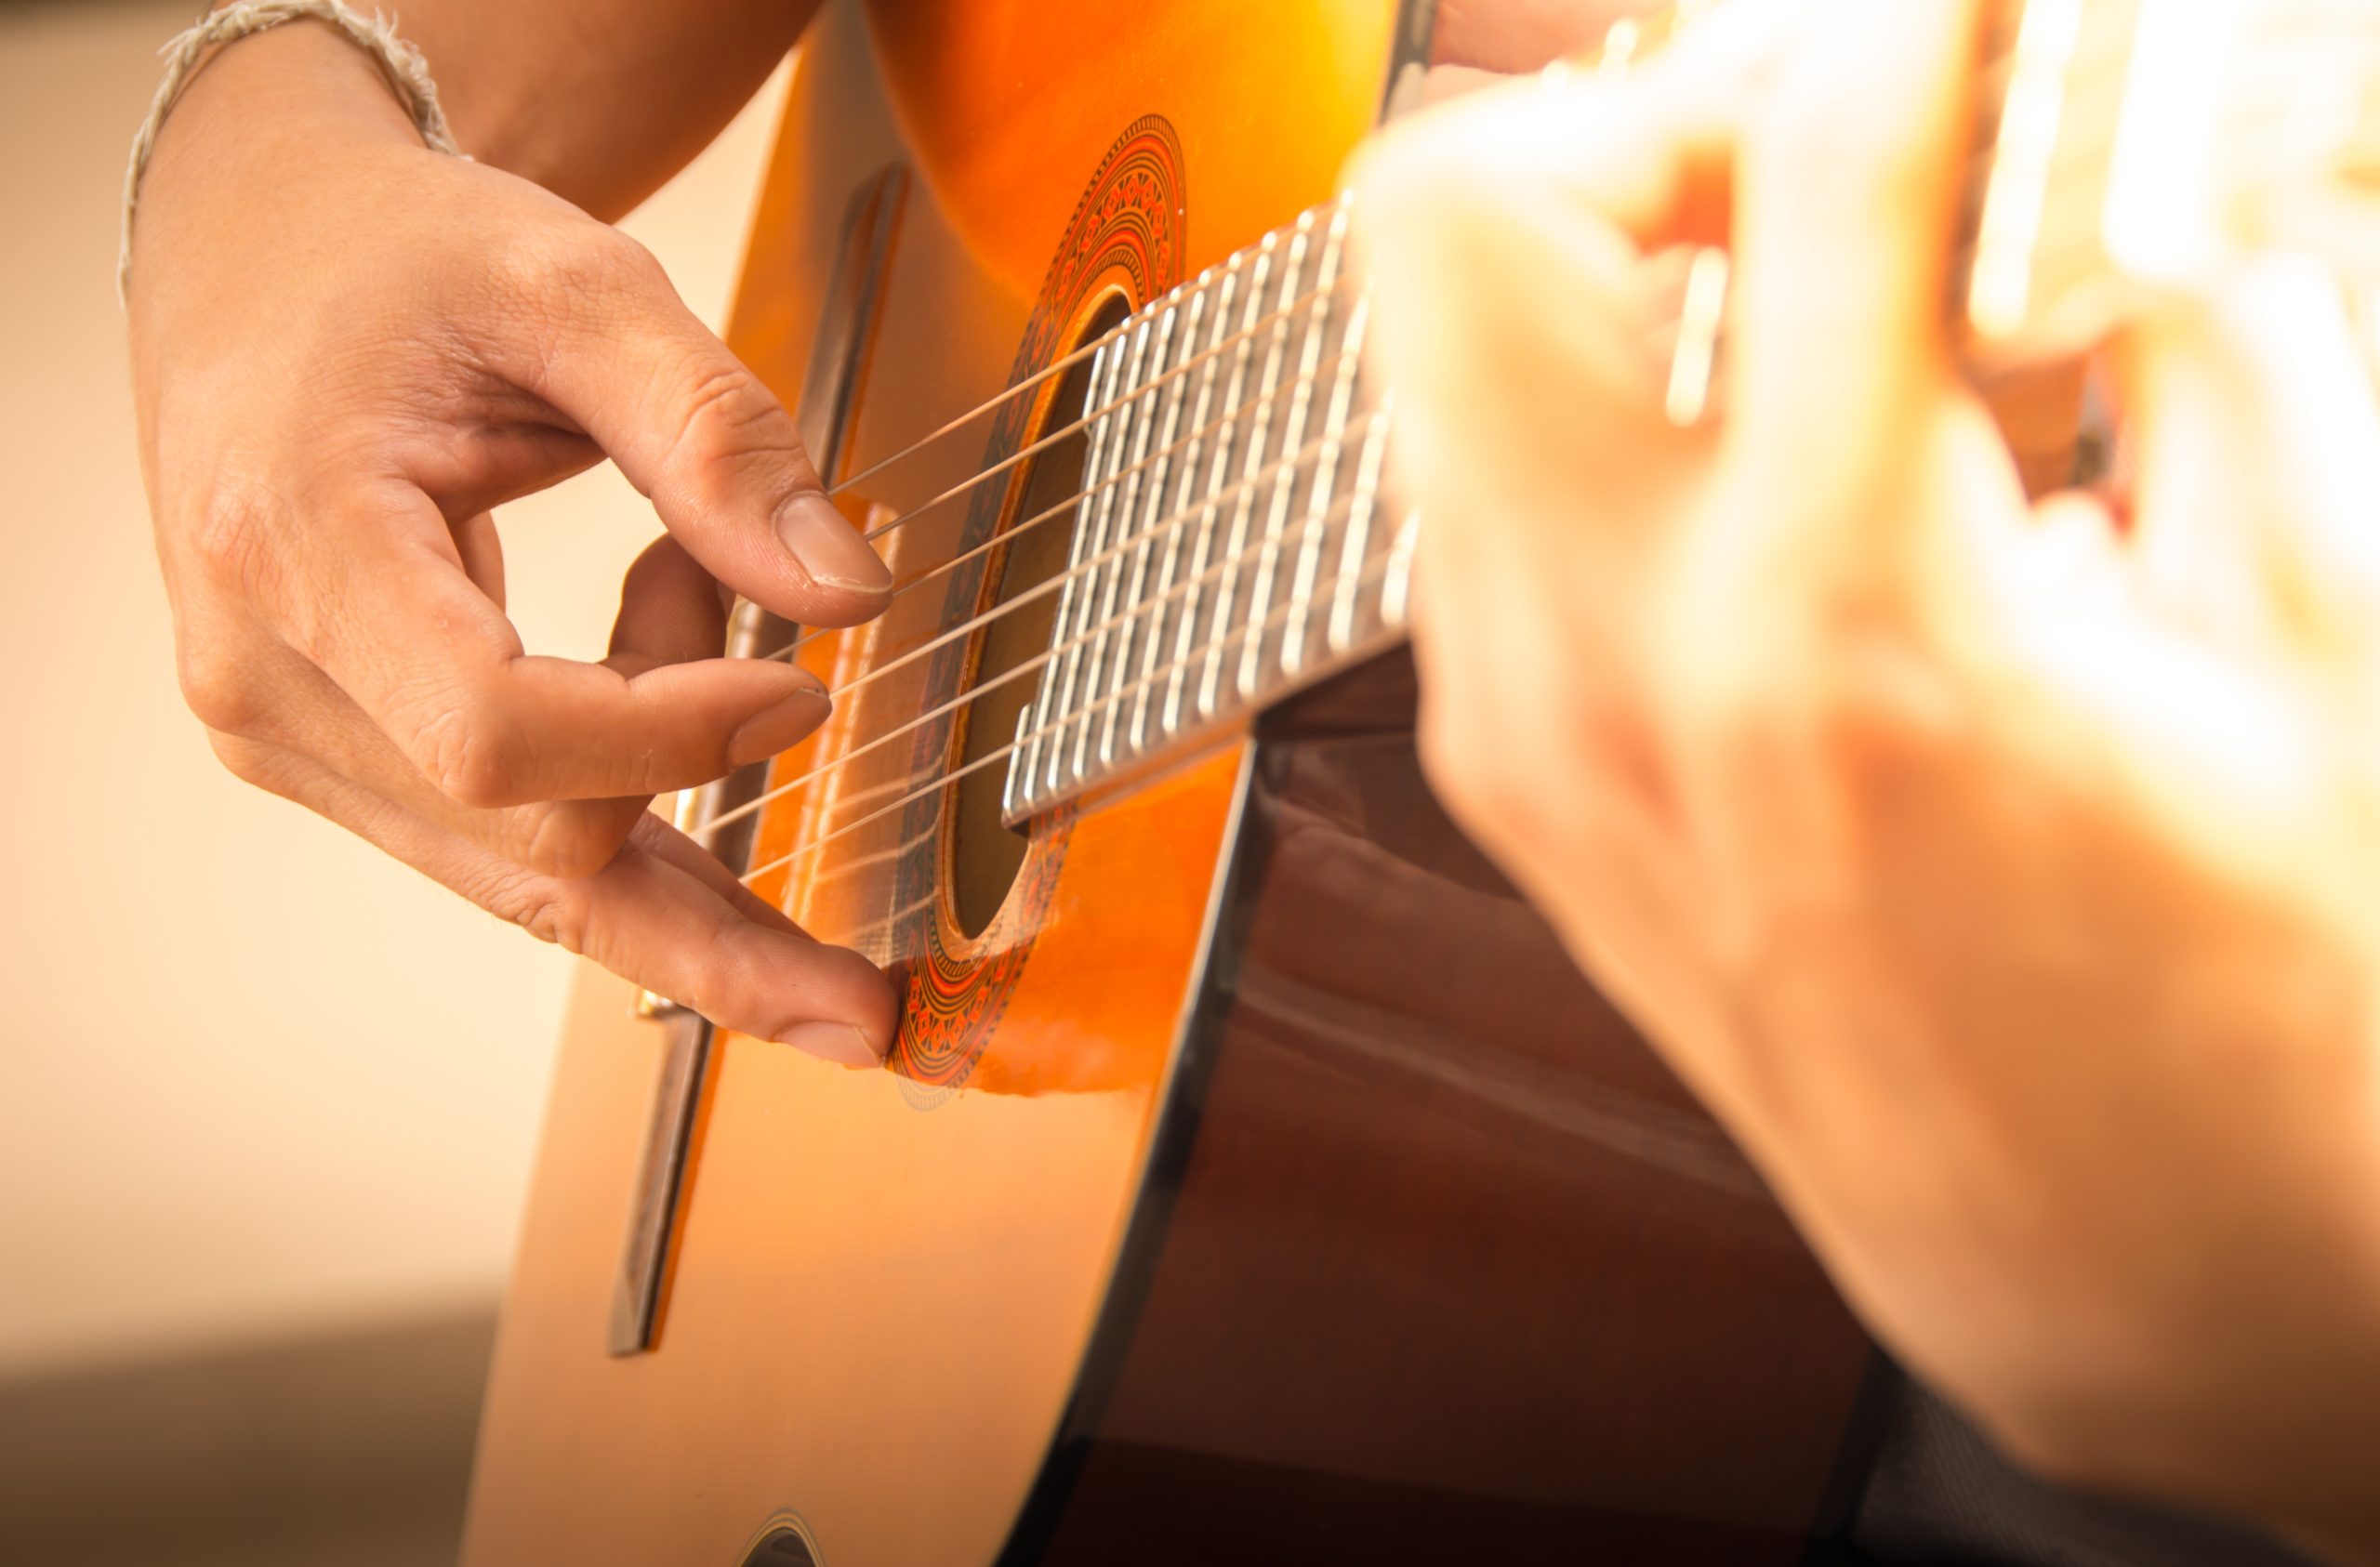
x=1254, y=1177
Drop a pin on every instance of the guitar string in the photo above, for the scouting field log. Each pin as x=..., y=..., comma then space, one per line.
x=1090, y=347
x=943, y=635
x=1222, y=566
x=1296, y=535
x=1076, y=500
x=1273, y=471
x=1146, y=684
x=1277, y=320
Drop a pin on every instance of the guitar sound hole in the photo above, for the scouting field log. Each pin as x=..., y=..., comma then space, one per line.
x=986, y=853
x=786, y=1547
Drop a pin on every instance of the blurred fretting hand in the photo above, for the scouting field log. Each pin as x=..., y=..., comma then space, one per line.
x=2009, y=882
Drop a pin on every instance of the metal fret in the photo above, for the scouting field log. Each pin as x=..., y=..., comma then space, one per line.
x=1152, y=335
x=1033, y=722
x=1236, y=544
x=1210, y=583
x=1159, y=595
x=1162, y=422
x=1099, y=461
x=1325, y=473
x=1067, y=695
x=1202, y=549
x=1292, y=438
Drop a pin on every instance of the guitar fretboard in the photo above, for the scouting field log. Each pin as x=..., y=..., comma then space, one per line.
x=1232, y=542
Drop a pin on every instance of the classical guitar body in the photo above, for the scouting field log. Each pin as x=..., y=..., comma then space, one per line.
x=1255, y=1179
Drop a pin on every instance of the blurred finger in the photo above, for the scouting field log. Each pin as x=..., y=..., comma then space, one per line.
x=1508, y=36
x=1516, y=314
x=1495, y=265
x=2257, y=435
x=1847, y=181
x=1507, y=237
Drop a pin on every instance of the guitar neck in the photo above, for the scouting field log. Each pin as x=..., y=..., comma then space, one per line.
x=1235, y=542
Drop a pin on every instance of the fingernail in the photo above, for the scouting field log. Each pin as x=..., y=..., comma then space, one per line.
x=839, y=1043
x=829, y=547
x=777, y=728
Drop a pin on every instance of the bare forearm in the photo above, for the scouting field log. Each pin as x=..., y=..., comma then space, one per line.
x=601, y=101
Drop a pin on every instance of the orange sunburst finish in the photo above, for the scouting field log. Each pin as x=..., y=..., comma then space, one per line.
x=875, y=1317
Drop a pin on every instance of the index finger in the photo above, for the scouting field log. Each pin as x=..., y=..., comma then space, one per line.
x=1513, y=240
x=1848, y=173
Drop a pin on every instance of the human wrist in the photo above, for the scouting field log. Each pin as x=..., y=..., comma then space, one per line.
x=300, y=81
x=254, y=114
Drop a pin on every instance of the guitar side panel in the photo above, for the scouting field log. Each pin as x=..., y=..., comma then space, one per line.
x=1439, y=1263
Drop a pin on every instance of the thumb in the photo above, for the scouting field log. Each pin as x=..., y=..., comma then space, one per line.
x=697, y=431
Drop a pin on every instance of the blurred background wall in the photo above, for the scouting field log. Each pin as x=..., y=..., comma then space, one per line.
x=267, y=1100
